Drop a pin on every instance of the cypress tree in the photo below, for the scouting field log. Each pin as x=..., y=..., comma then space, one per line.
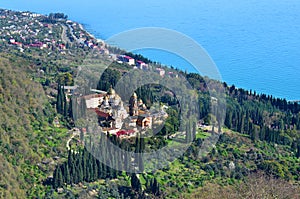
x=79, y=173
x=82, y=108
x=298, y=150
x=135, y=183
x=139, y=148
x=59, y=100
x=155, y=187
x=58, y=178
x=188, y=134
x=95, y=170
x=74, y=176
x=65, y=104
x=194, y=130
x=84, y=164
x=67, y=175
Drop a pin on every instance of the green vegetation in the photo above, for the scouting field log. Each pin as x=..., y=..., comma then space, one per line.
x=28, y=141
x=257, y=154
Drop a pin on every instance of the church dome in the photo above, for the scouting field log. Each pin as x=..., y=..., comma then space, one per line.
x=134, y=95
x=111, y=91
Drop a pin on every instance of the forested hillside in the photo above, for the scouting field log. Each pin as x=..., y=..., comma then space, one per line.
x=25, y=120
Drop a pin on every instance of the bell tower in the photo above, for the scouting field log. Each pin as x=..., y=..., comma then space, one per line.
x=133, y=105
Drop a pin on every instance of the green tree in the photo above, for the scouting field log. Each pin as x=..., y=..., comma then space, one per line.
x=58, y=178
x=135, y=183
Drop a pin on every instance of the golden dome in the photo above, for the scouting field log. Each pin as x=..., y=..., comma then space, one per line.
x=111, y=91
x=134, y=95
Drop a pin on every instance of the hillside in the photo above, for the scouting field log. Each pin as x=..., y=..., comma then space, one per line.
x=29, y=141
x=258, y=146
x=22, y=105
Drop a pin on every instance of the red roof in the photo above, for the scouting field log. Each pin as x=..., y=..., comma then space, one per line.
x=127, y=57
x=101, y=114
x=38, y=44
x=124, y=132
x=17, y=43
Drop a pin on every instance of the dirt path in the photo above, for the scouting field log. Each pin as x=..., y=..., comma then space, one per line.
x=75, y=132
x=64, y=36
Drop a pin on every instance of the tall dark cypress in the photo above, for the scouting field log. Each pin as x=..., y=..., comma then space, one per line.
x=298, y=149
x=58, y=178
x=82, y=108
x=59, y=100
x=65, y=104
x=187, y=133
x=139, y=147
x=155, y=187
x=194, y=130
x=135, y=183
x=67, y=174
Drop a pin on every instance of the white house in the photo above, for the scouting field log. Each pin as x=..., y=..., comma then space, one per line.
x=93, y=100
x=141, y=65
x=160, y=71
x=126, y=59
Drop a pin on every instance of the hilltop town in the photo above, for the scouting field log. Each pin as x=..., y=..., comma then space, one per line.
x=27, y=32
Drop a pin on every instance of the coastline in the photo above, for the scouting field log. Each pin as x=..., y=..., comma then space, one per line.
x=82, y=27
x=239, y=56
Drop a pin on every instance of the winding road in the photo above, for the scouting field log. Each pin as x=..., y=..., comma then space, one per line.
x=75, y=132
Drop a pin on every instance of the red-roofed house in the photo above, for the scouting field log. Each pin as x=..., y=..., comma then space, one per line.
x=160, y=71
x=62, y=46
x=127, y=59
x=141, y=65
x=37, y=45
x=17, y=44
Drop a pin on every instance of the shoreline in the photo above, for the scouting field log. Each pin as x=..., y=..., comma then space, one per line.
x=165, y=65
x=82, y=27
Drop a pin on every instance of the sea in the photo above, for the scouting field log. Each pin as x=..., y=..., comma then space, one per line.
x=255, y=44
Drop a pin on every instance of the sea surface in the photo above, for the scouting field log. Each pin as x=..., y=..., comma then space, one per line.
x=255, y=43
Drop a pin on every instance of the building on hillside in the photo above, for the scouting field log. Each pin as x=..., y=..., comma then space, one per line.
x=126, y=59
x=93, y=100
x=69, y=89
x=173, y=74
x=142, y=65
x=12, y=41
x=125, y=133
x=104, y=51
x=113, y=116
x=133, y=105
x=111, y=110
x=144, y=121
x=160, y=71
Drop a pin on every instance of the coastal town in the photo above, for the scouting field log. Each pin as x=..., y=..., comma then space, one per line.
x=54, y=34
x=26, y=31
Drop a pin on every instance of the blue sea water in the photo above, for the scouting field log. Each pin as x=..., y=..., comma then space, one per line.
x=255, y=43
